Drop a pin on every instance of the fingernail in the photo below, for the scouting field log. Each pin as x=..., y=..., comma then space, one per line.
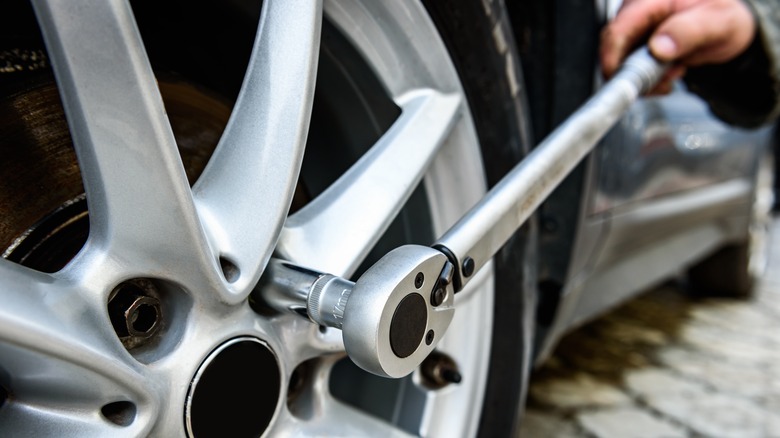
x=663, y=46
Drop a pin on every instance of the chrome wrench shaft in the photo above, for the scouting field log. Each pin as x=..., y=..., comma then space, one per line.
x=484, y=229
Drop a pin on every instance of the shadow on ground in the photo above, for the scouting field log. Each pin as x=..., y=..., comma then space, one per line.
x=627, y=338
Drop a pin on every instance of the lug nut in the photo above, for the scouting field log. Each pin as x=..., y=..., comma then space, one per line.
x=135, y=312
x=142, y=316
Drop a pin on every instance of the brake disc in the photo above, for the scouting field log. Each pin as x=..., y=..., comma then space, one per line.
x=43, y=210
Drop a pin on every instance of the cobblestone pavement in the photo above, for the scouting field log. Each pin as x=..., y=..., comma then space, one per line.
x=667, y=365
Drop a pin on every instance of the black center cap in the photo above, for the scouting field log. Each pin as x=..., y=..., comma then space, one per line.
x=407, y=328
x=235, y=391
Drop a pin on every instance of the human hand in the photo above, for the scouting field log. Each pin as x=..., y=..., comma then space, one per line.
x=686, y=33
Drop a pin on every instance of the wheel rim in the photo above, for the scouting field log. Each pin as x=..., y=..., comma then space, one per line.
x=202, y=250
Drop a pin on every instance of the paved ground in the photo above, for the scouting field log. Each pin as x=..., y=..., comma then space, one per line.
x=666, y=365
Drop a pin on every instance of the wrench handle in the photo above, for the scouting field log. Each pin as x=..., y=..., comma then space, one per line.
x=483, y=230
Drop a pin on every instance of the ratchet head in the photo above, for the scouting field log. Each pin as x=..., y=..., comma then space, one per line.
x=391, y=318
x=398, y=311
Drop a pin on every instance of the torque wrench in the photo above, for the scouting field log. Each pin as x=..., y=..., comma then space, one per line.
x=393, y=316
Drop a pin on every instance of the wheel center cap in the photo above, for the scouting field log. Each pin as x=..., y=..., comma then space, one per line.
x=235, y=391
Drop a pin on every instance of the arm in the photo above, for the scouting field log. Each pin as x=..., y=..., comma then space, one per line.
x=725, y=49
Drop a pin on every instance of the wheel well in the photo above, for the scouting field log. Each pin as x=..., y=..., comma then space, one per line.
x=558, y=44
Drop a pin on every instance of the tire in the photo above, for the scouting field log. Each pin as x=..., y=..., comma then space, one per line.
x=734, y=270
x=480, y=39
x=132, y=310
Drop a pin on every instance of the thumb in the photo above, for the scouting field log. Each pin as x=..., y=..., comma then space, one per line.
x=704, y=34
x=664, y=47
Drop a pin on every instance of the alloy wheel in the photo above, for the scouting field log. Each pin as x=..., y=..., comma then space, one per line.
x=153, y=327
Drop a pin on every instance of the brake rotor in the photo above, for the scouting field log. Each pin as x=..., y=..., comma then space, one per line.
x=43, y=210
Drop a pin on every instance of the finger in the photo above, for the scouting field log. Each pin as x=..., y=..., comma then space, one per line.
x=631, y=25
x=675, y=72
x=711, y=32
x=666, y=84
x=661, y=89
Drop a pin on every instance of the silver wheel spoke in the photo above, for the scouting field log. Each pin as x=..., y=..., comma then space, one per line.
x=359, y=206
x=29, y=420
x=140, y=203
x=49, y=329
x=63, y=367
x=303, y=340
x=245, y=191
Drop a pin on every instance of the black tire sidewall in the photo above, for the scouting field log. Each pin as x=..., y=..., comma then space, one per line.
x=470, y=29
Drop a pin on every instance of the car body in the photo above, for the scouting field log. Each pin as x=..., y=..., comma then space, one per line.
x=667, y=187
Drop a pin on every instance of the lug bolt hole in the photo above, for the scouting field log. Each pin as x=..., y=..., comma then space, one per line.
x=135, y=311
x=299, y=389
x=229, y=270
x=295, y=387
x=144, y=318
x=121, y=413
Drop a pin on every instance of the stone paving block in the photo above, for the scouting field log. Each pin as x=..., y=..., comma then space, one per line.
x=579, y=391
x=739, y=326
x=768, y=298
x=739, y=379
x=768, y=285
x=628, y=422
x=718, y=415
x=743, y=350
x=537, y=424
x=708, y=412
x=709, y=369
x=771, y=403
x=736, y=317
x=650, y=382
x=772, y=275
x=771, y=386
